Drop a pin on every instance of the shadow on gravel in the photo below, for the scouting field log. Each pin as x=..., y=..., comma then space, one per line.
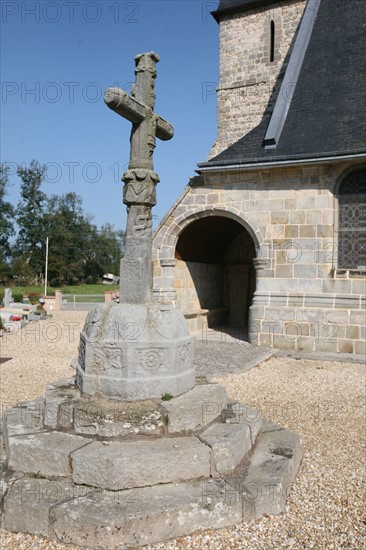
x=219, y=358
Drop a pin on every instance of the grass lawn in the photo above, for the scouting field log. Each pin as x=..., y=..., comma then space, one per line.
x=72, y=289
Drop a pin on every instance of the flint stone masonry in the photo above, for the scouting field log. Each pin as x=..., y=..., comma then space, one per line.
x=46, y=454
x=115, y=465
x=27, y=504
x=134, y=518
x=196, y=408
x=229, y=444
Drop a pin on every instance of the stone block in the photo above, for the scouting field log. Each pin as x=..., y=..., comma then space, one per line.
x=58, y=404
x=28, y=502
x=308, y=231
x=279, y=217
x=284, y=271
x=337, y=316
x=266, y=339
x=313, y=217
x=291, y=231
x=283, y=341
x=278, y=313
x=46, y=453
x=324, y=231
x=297, y=217
x=305, y=344
x=348, y=302
x=318, y=300
x=310, y=285
x=311, y=315
x=360, y=347
x=336, y=286
x=296, y=300
x=25, y=418
x=358, y=317
x=134, y=518
x=359, y=287
x=195, y=409
x=346, y=346
x=306, y=203
x=353, y=332
x=241, y=414
x=265, y=483
x=305, y=271
x=326, y=345
x=116, y=465
x=107, y=418
x=229, y=444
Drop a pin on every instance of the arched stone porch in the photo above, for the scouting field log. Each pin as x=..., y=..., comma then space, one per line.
x=206, y=261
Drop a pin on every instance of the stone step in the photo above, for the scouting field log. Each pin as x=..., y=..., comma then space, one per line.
x=236, y=413
x=196, y=408
x=28, y=501
x=229, y=444
x=132, y=518
x=44, y=453
x=133, y=514
x=116, y=465
x=24, y=418
x=265, y=480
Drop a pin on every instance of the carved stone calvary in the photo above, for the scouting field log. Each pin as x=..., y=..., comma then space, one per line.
x=138, y=349
x=140, y=179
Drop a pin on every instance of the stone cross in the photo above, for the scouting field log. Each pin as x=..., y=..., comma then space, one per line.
x=139, y=193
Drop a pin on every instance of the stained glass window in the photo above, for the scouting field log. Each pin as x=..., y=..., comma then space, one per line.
x=352, y=221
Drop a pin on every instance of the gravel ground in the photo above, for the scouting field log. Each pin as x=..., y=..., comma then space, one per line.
x=323, y=401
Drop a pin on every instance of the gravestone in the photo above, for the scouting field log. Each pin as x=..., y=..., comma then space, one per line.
x=8, y=297
x=133, y=450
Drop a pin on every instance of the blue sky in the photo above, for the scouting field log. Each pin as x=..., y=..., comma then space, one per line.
x=57, y=59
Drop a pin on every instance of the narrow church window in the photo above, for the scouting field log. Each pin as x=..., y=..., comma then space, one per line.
x=272, y=45
x=352, y=221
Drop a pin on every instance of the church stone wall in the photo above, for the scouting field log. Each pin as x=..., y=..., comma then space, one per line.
x=249, y=81
x=302, y=301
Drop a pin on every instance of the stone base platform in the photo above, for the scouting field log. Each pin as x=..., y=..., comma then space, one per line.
x=100, y=473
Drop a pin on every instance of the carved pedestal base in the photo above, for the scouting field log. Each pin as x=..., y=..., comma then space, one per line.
x=131, y=352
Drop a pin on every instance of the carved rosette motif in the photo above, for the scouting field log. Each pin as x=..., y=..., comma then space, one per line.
x=152, y=359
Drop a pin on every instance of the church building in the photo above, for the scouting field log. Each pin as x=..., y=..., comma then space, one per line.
x=270, y=236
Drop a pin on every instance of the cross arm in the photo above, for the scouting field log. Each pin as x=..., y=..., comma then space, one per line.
x=125, y=105
x=164, y=130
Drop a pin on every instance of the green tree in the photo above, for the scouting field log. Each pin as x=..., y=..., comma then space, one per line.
x=6, y=224
x=69, y=233
x=110, y=248
x=30, y=243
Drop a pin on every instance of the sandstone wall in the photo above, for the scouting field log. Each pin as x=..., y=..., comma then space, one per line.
x=302, y=300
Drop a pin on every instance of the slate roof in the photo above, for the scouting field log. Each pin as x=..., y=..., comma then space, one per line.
x=327, y=113
x=232, y=6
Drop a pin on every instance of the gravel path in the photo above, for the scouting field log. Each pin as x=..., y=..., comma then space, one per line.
x=323, y=401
